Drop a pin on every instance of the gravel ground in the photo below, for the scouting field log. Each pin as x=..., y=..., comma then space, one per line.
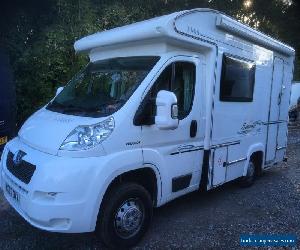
x=212, y=220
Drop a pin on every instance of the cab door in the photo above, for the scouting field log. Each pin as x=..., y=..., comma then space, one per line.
x=177, y=153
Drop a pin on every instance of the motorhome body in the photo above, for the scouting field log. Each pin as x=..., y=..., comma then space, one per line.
x=221, y=91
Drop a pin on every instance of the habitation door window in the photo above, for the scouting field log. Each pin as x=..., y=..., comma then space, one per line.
x=237, y=80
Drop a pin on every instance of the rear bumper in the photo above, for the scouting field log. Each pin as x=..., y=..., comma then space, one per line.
x=60, y=196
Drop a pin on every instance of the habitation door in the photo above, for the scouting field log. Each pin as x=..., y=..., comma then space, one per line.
x=274, y=112
x=283, y=113
x=177, y=153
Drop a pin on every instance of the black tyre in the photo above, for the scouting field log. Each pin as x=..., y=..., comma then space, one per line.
x=248, y=180
x=125, y=215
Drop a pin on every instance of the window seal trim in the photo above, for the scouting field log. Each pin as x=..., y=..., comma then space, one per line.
x=242, y=59
x=169, y=62
x=194, y=89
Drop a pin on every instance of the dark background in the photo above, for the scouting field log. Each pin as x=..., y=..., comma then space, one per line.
x=39, y=35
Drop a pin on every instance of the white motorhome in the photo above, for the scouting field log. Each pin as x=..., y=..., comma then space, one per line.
x=166, y=106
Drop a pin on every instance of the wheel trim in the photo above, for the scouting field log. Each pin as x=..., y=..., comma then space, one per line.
x=129, y=218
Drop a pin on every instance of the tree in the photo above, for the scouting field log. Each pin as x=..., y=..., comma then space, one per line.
x=39, y=35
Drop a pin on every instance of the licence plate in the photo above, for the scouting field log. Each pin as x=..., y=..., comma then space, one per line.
x=12, y=193
x=3, y=140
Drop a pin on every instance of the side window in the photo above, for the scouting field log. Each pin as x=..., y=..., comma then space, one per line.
x=179, y=78
x=183, y=87
x=237, y=80
x=163, y=82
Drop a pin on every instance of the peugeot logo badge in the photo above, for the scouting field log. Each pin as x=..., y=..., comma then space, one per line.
x=18, y=157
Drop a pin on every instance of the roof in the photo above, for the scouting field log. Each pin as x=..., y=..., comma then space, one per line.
x=148, y=29
x=171, y=26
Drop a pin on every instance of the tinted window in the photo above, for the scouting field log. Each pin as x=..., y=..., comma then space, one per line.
x=179, y=78
x=163, y=82
x=183, y=87
x=237, y=80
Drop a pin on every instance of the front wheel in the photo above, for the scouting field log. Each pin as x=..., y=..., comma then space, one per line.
x=125, y=215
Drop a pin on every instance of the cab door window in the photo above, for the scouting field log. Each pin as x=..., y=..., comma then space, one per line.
x=179, y=78
x=183, y=86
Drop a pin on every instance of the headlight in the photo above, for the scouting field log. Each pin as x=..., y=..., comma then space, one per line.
x=86, y=137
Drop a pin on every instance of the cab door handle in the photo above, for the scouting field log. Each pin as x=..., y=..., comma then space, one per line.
x=193, y=128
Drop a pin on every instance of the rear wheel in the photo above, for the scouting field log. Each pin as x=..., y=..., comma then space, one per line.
x=248, y=180
x=125, y=215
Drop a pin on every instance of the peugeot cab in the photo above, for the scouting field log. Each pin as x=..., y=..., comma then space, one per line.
x=166, y=106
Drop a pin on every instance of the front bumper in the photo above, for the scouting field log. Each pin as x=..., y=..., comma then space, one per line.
x=61, y=196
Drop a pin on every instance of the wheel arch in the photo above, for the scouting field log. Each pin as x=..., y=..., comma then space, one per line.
x=129, y=174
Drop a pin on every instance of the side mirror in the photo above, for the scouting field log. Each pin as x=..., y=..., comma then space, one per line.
x=59, y=89
x=166, y=110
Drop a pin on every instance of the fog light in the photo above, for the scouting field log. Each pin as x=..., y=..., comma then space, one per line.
x=60, y=223
x=45, y=196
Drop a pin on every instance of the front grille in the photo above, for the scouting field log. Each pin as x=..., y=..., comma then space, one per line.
x=23, y=171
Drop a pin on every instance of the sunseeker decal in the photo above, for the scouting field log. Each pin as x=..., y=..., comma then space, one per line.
x=251, y=127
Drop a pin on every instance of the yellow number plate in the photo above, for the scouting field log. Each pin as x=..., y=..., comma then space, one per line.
x=3, y=140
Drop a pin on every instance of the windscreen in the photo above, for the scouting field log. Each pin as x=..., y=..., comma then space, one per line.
x=102, y=87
